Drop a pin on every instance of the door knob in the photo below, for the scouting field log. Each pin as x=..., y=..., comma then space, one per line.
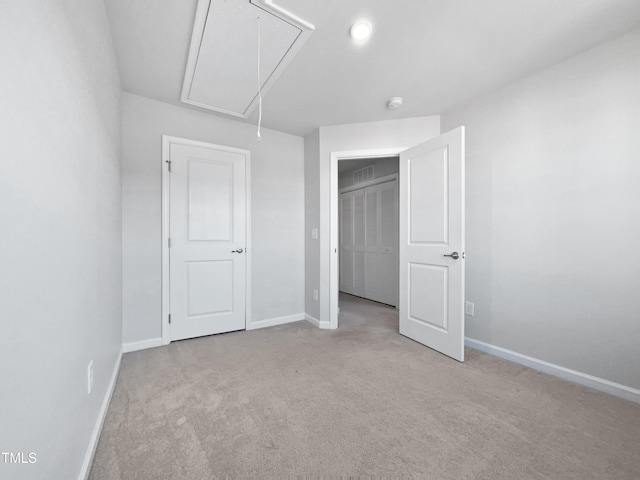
x=240, y=250
x=454, y=255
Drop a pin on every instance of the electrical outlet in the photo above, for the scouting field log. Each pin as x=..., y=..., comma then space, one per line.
x=314, y=234
x=315, y=294
x=90, y=377
x=469, y=308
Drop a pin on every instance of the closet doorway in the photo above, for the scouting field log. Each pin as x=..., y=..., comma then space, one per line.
x=368, y=228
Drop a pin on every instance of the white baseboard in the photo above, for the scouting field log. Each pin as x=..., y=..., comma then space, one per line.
x=312, y=320
x=317, y=323
x=617, y=389
x=97, y=429
x=141, y=345
x=157, y=342
x=272, y=322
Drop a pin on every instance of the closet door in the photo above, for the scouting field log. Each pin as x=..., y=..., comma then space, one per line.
x=381, y=278
x=346, y=243
x=372, y=247
x=369, y=243
x=388, y=243
x=358, y=243
x=352, y=243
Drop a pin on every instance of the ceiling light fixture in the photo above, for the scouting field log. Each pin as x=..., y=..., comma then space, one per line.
x=361, y=30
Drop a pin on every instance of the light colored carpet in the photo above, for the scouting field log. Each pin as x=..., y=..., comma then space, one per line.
x=362, y=400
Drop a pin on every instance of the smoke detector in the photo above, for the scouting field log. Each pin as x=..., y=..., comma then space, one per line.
x=395, y=102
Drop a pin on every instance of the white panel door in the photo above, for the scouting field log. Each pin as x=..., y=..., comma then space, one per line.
x=207, y=229
x=432, y=243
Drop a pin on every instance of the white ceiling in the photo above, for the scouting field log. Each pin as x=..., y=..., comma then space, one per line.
x=437, y=54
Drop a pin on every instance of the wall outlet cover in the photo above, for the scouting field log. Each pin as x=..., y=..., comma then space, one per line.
x=469, y=308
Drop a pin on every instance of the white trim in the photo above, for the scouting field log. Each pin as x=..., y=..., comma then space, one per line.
x=312, y=320
x=97, y=429
x=166, y=192
x=617, y=389
x=272, y=322
x=248, y=315
x=167, y=141
x=283, y=13
x=334, y=283
x=142, y=345
x=317, y=323
x=370, y=183
x=202, y=12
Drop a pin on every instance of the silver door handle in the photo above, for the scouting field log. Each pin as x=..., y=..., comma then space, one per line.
x=240, y=250
x=454, y=255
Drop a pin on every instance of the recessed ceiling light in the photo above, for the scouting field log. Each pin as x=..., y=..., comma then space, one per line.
x=361, y=30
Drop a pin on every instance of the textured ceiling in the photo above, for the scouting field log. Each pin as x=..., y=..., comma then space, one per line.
x=436, y=54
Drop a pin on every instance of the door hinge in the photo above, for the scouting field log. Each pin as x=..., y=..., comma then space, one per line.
x=169, y=242
x=168, y=164
x=169, y=318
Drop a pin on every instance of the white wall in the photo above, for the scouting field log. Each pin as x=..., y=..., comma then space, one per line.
x=553, y=213
x=312, y=220
x=277, y=183
x=60, y=190
x=340, y=138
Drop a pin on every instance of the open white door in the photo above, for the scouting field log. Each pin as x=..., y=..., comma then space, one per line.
x=432, y=243
x=207, y=204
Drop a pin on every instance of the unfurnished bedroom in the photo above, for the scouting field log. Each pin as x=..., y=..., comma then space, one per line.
x=346, y=239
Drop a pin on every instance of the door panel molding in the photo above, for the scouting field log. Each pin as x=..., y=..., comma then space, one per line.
x=167, y=142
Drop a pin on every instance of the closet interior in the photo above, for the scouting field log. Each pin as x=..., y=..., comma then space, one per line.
x=368, y=256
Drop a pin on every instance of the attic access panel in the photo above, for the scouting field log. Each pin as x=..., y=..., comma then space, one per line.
x=222, y=69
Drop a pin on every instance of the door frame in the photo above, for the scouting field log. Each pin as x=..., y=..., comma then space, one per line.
x=334, y=271
x=167, y=141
